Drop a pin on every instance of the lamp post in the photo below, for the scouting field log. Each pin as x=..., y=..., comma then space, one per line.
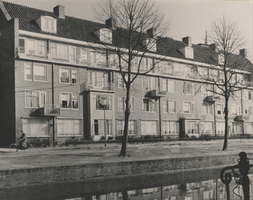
x=104, y=105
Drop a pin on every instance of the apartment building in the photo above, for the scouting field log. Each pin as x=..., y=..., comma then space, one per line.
x=57, y=81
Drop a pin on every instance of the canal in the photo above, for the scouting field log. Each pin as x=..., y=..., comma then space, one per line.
x=187, y=185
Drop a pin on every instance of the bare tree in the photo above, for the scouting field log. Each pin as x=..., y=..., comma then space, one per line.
x=136, y=25
x=228, y=72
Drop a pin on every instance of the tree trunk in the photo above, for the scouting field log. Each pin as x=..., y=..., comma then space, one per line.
x=127, y=114
x=225, y=144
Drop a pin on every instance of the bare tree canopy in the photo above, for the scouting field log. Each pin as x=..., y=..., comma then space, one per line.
x=136, y=28
x=228, y=71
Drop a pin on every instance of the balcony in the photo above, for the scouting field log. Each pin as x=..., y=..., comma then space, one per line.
x=20, y=51
x=238, y=118
x=48, y=110
x=211, y=98
x=157, y=93
x=87, y=87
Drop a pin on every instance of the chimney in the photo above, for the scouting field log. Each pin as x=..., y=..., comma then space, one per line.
x=59, y=11
x=187, y=40
x=109, y=23
x=213, y=47
x=151, y=32
x=243, y=53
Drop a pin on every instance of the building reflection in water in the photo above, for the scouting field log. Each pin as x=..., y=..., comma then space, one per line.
x=203, y=190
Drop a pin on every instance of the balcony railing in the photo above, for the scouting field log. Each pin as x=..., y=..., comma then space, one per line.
x=20, y=51
x=86, y=87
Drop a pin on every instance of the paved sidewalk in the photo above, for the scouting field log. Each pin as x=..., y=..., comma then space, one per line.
x=98, y=153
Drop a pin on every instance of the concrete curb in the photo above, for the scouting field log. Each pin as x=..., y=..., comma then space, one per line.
x=102, y=171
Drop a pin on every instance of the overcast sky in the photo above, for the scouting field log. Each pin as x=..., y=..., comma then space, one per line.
x=189, y=18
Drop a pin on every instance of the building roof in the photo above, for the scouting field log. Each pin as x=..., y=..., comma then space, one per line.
x=83, y=30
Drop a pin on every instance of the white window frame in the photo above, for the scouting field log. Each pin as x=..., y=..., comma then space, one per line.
x=33, y=66
x=109, y=101
x=59, y=53
x=166, y=103
x=207, y=109
x=49, y=19
x=150, y=81
x=122, y=99
x=170, y=128
x=121, y=123
x=72, y=58
x=39, y=98
x=192, y=88
x=71, y=100
x=75, y=122
x=149, y=106
x=71, y=78
x=192, y=107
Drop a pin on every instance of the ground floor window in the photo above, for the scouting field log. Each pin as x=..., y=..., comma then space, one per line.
x=192, y=127
x=248, y=128
x=149, y=128
x=101, y=127
x=220, y=128
x=237, y=127
x=68, y=127
x=131, y=127
x=170, y=128
x=36, y=127
x=207, y=128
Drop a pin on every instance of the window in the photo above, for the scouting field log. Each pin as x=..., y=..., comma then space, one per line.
x=102, y=102
x=236, y=109
x=36, y=127
x=237, y=127
x=102, y=127
x=220, y=128
x=62, y=51
x=168, y=85
x=188, y=107
x=192, y=127
x=106, y=35
x=98, y=79
x=68, y=75
x=148, y=83
x=72, y=54
x=69, y=100
x=248, y=128
x=207, y=128
x=148, y=105
x=207, y=109
x=48, y=24
x=35, y=72
x=170, y=128
x=149, y=128
x=188, y=88
x=122, y=104
x=247, y=95
x=84, y=55
x=220, y=109
x=68, y=127
x=132, y=130
x=169, y=106
x=33, y=47
x=35, y=98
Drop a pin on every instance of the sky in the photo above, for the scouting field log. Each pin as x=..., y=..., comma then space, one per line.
x=188, y=17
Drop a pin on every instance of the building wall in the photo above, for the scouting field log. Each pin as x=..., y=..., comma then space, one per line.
x=9, y=31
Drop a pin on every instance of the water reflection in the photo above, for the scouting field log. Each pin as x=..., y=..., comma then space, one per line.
x=198, y=185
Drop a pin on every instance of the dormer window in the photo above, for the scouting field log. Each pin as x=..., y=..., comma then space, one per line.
x=187, y=52
x=47, y=24
x=150, y=44
x=104, y=35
